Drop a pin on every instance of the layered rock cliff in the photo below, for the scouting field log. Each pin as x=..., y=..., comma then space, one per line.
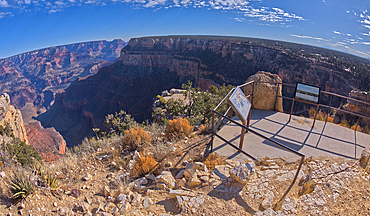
x=32, y=79
x=149, y=65
x=12, y=118
x=48, y=142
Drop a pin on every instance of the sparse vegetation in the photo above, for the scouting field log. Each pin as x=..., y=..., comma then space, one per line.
x=144, y=164
x=135, y=138
x=213, y=160
x=21, y=186
x=22, y=153
x=178, y=128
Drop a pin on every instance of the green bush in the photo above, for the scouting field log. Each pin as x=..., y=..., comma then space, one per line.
x=23, y=154
x=119, y=122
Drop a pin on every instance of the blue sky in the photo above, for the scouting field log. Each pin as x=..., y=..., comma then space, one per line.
x=27, y=25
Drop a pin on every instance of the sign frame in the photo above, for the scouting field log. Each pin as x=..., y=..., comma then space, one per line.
x=308, y=93
x=240, y=104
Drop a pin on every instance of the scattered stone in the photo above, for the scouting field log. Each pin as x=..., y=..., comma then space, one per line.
x=267, y=203
x=109, y=207
x=194, y=181
x=87, y=177
x=55, y=204
x=232, y=163
x=181, y=182
x=2, y=174
x=111, y=175
x=64, y=211
x=75, y=193
x=165, y=180
x=240, y=173
x=22, y=205
x=180, y=174
x=122, y=198
x=106, y=191
x=365, y=156
x=174, y=193
x=186, y=203
x=200, y=166
x=222, y=171
x=147, y=201
x=150, y=177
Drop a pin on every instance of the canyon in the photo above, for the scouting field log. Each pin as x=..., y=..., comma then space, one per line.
x=147, y=66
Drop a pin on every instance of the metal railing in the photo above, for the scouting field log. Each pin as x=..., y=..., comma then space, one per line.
x=246, y=128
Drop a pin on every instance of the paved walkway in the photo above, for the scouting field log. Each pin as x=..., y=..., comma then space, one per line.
x=323, y=140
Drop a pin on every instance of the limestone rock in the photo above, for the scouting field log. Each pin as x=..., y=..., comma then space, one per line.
x=222, y=171
x=13, y=117
x=365, y=156
x=240, y=173
x=187, y=203
x=167, y=179
x=267, y=203
x=194, y=181
x=87, y=177
x=265, y=93
x=174, y=193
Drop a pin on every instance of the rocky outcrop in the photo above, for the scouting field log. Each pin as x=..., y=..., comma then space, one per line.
x=13, y=118
x=147, y=66
x=34, y=77
x=265, y=93
x=48, y=142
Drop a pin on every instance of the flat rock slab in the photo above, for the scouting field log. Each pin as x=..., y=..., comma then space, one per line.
x=322, y=140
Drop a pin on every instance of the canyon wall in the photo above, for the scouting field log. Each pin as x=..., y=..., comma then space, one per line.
x=149, y=65
x=32, y=79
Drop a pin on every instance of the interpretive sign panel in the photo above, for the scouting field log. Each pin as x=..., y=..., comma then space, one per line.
x=240, y=103
x=307, y=93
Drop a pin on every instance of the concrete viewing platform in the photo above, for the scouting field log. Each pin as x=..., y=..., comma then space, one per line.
x=323, y=140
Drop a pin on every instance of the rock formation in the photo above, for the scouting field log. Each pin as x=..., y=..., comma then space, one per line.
x=47, y=142
x=32, y=79
x=147, y=66
x=264, y=93
x=13, y=117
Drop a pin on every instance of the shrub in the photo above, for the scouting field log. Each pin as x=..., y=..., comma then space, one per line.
x=344, y=123
x=134, y=138
x=178, y=128
x=203, y=129
x=119, y=122
x=20, y=186
x=144, y=164
x=358, y=128
x=213, y=160
x=24, y=154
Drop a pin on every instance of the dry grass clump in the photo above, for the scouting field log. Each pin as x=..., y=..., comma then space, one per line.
x=203, y=129
x=135, y=138
x=320, y=115
x=358, y=128
x=213, y=160
x=178, y=128
x=144, y=164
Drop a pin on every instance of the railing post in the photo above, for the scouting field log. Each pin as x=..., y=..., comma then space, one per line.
x=314, y=119
x=252, y=93
x=327, y=114
x=291, y=110
x=277, y=91
x=213, y=125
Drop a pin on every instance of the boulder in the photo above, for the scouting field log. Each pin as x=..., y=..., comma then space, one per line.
x=364, y=160
x=240, y=173
x=222, y=171
x=264, y=94
x=165, y=180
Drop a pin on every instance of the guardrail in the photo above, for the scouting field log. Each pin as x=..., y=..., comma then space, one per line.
x=245, y=128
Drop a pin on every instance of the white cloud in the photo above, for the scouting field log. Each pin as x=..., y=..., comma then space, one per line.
x=153, y=3
x=337, y=32
x=4, y=3
x=3, y=14
x=349, y=35
x=366, y=43
x=308, y=37
x=27, y=1
x=239, y=19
